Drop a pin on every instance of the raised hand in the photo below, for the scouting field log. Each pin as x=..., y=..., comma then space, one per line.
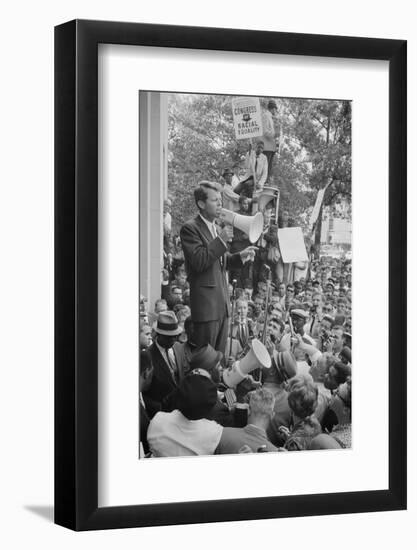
x=248, y=254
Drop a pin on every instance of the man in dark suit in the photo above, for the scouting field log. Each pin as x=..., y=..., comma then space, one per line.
x=165, y=374
x=206, y=261
x=145, y=380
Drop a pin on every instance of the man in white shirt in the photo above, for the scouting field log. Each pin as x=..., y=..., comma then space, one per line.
x=301, y=344
x=230, y=198
x=256, y=164
x=187, y=430
x=269, y=133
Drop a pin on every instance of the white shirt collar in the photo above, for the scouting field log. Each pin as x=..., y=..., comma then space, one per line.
x=211, y=225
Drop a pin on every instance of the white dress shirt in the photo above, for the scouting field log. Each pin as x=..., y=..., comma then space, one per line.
x=172, y=434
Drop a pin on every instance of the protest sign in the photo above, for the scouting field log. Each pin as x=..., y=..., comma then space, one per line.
x=317, y=206
x=291, y=244
x=247, y=117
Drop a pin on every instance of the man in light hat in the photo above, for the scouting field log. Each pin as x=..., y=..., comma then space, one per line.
x=301, y=343
x=165, y=376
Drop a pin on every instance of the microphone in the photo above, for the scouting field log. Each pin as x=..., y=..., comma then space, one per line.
x=267, y=270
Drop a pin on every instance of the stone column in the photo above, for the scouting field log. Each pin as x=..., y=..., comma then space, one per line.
x=153, y=181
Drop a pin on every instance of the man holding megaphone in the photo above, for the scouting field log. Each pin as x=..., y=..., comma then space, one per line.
x=206, y=260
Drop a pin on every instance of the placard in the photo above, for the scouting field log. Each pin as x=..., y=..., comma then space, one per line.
x=291, y=244
x=247, y=117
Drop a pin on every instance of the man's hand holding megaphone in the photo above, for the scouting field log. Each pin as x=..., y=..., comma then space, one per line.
x=226, y=234
x=248, y=254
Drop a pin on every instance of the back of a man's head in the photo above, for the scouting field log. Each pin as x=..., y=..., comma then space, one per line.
x=302, y=396
x=261, y=404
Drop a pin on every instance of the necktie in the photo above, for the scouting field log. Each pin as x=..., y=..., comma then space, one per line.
x=256, y=164
x=312, y=324
x=214, y=233
x=172, y=366
x=242, y=334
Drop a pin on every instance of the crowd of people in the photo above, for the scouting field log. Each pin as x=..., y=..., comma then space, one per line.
x=301, y=402
x=243, y=352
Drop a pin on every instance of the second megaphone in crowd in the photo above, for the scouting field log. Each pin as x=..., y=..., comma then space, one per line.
x=268, y=194
x=257, y=357
x=251, y=225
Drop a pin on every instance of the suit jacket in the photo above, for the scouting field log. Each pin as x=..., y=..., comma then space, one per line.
x=206, y=261
x=143, y=427
x=183, y=352
x=233, y=439
x=163, y=383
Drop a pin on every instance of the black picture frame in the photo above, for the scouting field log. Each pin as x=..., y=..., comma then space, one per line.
x=76, y=271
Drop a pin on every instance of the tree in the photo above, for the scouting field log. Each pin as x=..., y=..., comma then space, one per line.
x=314, y=151
x=201, y=143
x=323, y=128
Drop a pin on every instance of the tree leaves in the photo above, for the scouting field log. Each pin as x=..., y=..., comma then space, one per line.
x=314, y=150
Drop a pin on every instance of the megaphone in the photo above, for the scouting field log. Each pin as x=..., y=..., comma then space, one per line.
x=257, y=357
x=251, y=225
x=268, y=194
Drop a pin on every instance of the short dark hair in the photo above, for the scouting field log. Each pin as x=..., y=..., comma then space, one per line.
x=342, y=372
x=278, y=322
x=303, y=396
x=201, y=192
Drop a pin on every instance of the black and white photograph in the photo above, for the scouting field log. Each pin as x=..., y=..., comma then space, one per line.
x=245, y=291
x=199, y=205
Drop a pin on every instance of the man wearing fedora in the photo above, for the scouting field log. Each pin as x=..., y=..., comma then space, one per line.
x=206, y=360
x=206, y=260
x=165, y=374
